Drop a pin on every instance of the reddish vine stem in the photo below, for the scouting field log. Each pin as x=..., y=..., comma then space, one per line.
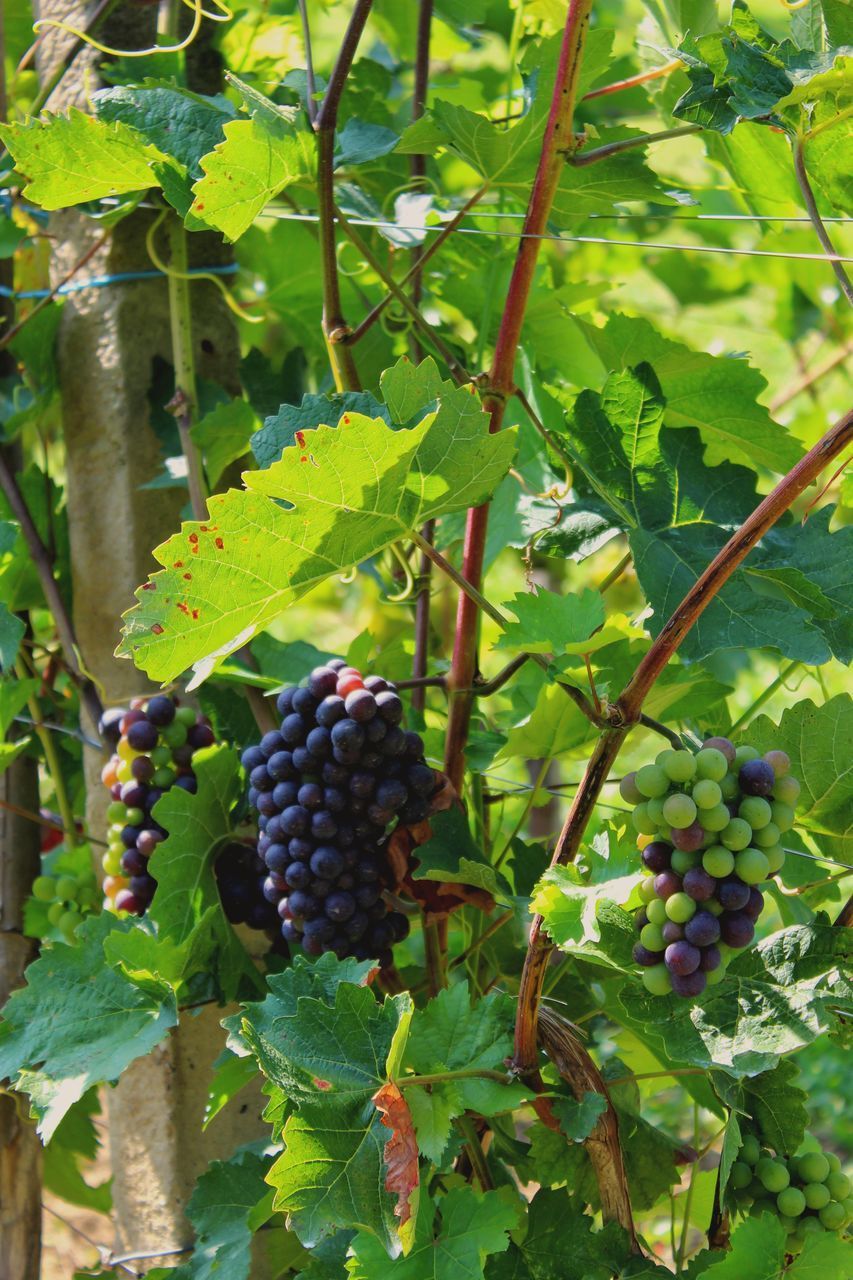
x=335, y=328
x=557, y=141
x=632, y=81
x=625, y=711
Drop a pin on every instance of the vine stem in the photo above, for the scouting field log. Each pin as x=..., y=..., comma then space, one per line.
x=765, y=696
x=627, y=144
x=51, y=759
x=632, y=81
x=335, y=328
x=807, y=381
x=625, y=711
x=55, y=603
x=184, y=405
x=558, y=141
x=442, y=1077
x=310, y=83
x=816, y=220
x=475, y=1151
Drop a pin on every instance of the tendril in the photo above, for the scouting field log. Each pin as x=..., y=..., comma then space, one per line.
x=791, y=5
x=230, y=301
x=408, y=589
x=199, y=12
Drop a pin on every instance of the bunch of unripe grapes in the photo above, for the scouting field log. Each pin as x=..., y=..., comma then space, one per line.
x=711, y=825
x=809, y=1192
x=328, y=787
x=155, y=740
x=68, y=899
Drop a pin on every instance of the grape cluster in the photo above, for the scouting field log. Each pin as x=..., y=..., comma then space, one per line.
x=154, y=741
x=327, y=787
x=710, y=826
x=809, y=1192
x=68, y=899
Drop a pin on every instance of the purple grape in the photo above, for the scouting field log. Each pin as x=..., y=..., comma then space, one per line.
x=641, y=919
x=298, y=875
x=656, y=856
x=340, y=907
x=322, y=682
x=392, y=794
x=334, y=774
x=188, y=783
x=284, y=701
x=323, y=825
x=394, y=742
x=672, y=932
x=199, y=736
x=295, y=820
x=421, y=780
x=330, y=711
x=348, y=736
x=689, y=984
x=753, y=908
x=310, y=795
x=293, y=729
x=682, y=958
x=142, y=769
x=300, y=848
x=319, y=743
x=147, y=841
x=160, y=710
x=302, y=905
x=667, y=883
x=646, y=958
x=271, y=890
x=733, y=894
x=277, y=858
x=305, y=704
x=134, y=795
x=260, y=779
x=390, y=707
x=327, y=862
x=688, y=839
x=723, y=745
x=280, y=766
x=699, y=885
x=756, y=778
x=252, y=757
x=736, y=929
x=272, y=742
x=366, y=895
x=703, y=929
x=376, y=684
x=399, y=925
x=415, y=811
x=360, y=705
x=132, y=862
x=303, y=761
x=711, y=959
x=285, y=794
x=142, y=735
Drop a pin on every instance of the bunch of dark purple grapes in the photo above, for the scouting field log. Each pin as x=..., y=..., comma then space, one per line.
x=328, y=787
x=710, y=829
x=154, y=742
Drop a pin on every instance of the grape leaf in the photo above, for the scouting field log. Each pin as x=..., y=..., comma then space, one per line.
x=179, y=123
x=578, y=1119
x=353, y=490
x=450, y=856
x=758, y=1252
x=471, y=1226
x=230, y=1074
x=68, y=159
x=568, y=897
x=776, y=997
x=817, y=739
x=187, y=908
x=773, y=1100
x=223, y=436
x=230, y=1202
x=74, y=1142
x=360, y=141
x=12, y=630
x=717, y=394
x=279, y=430
x=548, y=622
x=78, y=1023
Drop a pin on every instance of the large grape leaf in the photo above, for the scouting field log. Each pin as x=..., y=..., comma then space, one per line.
x=326, y=1043
x=568, y=897
x=773, y=1101
x=187, y=909
x=353, y=489
x=78, y=1022
x=453, y=1246
x=717, y=394
x=679, y=513
x=818, y=738
x=758, y=1252
x=68, y=159
x=776, y=997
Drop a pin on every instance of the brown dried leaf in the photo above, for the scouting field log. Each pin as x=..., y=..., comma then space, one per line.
x=401, y=1149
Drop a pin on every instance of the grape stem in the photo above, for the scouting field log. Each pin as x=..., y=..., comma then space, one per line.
x=657, y=727
x=442, y=1077
x=626, y=144
x=816, y=220
x=475, y=1152
x=764, y=696
x=51, y=759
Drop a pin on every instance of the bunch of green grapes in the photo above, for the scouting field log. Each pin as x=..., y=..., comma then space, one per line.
x=710, y=826
x=807, y=1192
x=68, y=899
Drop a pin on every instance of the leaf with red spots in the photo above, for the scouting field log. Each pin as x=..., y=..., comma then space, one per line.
x=294, y=525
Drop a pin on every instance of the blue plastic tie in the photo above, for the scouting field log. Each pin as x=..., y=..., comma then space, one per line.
x=120, y=277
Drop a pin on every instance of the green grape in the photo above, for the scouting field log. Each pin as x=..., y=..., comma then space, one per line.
x=160, y=756
x=67, y=888
x=756, y=811
x=652, y=781
x=752, y=866
x=656, y=980
x=135, y=817
x=750, y=1150
x=817, y=1194
x=742, y=1199
x=163, y=778
x=813, y=1166
x=736, y=835
x=838, y=1183
x=628, y=789
x=646, y=889
x=742, y=754
x=766, y=837
x=185, y=716
x=175, y=734
x=679, y=811
x=775, y=856
x=833, y=1216
x=783, y=815
x=111, y=862
x=679, y=766
x=641, y=819
x=789, y=1224
x=833, y=1162
x=716, y=908
x=808, y=1225
x=654, y=808
x=707, y=794
x=791, y=1202
x=718, y=861
x=680, y=907
x=656, y=912
x=88, y=898
x=114, y=832
x=848, y=1207
x=716, y=819
x=773, y=1174
x=682, y=861
x=652, y=938
x=67, y=925
x=55, y=912
x=730, y=787
x=740, y=1176
x=711, y=763
x=716, y=975
x=787, y=790
x=116, y=811
x=44, y=888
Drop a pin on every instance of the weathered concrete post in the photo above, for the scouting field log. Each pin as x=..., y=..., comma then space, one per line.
x=109, y=338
